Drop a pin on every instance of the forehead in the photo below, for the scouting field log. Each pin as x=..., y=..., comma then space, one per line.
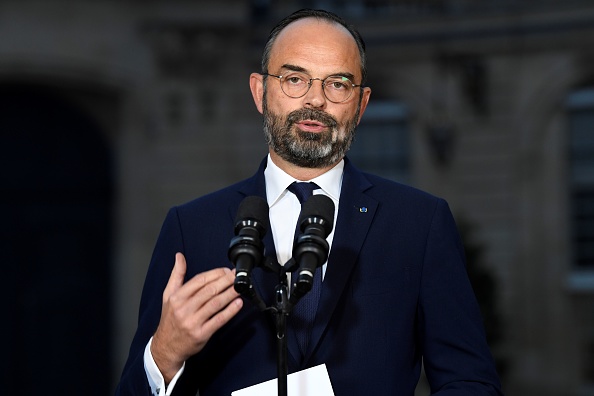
x=320, y=47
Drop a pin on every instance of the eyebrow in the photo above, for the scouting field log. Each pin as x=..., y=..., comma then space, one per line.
x=300, y=69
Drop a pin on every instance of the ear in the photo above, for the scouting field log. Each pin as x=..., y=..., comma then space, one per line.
x=364, y=101
x=257, y=88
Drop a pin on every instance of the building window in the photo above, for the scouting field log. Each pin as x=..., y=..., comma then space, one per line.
x=580, y=105
x=382, y=141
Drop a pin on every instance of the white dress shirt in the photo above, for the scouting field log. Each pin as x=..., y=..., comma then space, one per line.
x=284, y=213
x=285, y=207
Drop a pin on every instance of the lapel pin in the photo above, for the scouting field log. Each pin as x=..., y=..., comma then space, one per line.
x=363, y=209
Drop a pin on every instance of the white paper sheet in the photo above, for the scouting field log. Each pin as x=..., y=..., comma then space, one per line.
x=313, y=381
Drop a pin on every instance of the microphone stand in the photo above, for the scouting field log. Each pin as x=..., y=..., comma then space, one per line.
x=283, y=304
x=281, y=313
x=282, y=308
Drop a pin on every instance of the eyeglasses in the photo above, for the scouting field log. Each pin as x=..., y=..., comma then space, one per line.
x=337, y=89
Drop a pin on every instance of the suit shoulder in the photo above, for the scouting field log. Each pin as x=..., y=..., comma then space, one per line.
x=215, y=200
x=385, y=188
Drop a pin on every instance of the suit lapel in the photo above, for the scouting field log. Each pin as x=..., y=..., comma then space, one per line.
x=355, y=213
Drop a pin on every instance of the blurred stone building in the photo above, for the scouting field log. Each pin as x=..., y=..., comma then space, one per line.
x=113, y=111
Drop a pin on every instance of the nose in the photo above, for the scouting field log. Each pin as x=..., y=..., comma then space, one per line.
x=315, y=96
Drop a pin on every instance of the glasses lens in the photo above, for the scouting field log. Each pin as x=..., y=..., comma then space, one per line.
x=295, y=85
x=338, y=88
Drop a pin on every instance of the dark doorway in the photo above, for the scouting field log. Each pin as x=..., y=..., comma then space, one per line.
x=55, y=210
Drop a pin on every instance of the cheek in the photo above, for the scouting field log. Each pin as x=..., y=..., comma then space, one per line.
x=344, y=117
x=282, y=105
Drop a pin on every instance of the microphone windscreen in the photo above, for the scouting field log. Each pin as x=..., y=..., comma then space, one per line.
x=253, y=209
x=319, y=206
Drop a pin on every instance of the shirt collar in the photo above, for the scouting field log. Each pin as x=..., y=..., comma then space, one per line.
x=277, y=181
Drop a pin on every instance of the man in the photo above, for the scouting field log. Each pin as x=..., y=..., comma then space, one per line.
x=394, y=290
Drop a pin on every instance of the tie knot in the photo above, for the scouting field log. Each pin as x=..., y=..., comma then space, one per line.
x=302, y=190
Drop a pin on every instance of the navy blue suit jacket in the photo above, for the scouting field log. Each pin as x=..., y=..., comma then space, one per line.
x=395, y=292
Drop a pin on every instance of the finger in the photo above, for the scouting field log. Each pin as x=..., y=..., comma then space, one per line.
x=208, y=298
x=210, y=283
x=209, y=305
x=222, y=316
x=176, y=279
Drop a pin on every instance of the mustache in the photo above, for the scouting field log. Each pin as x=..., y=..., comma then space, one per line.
x=311, y=114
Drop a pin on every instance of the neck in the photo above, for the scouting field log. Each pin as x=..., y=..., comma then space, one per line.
x=299, y=173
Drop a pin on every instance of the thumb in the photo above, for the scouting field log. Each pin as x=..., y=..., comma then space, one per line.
x=176, y=279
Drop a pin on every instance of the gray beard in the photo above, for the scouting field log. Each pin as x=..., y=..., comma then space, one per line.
x=306, y=149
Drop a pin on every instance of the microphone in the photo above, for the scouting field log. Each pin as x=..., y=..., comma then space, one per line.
x=246, y=248
x=311, y=248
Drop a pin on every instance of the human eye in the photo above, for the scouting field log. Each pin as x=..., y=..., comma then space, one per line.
x=296, y=79
x=338, y=83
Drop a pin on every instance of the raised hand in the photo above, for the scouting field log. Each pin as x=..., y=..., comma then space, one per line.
x=192, y=312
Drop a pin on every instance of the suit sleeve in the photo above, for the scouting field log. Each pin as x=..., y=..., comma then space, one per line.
x=134, y=380
x=456, y=356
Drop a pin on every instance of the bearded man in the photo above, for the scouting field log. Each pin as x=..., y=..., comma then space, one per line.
x=393, y=293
